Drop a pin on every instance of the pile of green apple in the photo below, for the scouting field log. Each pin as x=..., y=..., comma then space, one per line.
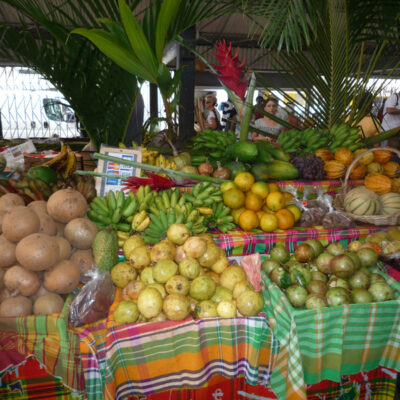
x=314, y=277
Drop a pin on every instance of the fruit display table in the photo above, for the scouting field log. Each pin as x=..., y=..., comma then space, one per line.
x=239, y=242
x=192, y=359
x=327, y=343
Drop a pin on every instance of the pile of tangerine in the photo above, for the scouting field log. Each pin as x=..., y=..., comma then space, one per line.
x=259, y=204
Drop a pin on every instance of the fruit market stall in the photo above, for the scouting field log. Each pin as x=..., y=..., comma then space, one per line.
x=153, y=243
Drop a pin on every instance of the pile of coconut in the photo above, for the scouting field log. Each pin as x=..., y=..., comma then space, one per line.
x=45, y=250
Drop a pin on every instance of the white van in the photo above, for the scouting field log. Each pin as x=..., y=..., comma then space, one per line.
x=31, y=108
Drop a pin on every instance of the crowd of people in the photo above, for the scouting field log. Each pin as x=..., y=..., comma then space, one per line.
x=264, y=127
x=226, y=117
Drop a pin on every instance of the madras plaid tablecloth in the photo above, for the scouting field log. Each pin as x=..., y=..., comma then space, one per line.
x=46, y=338
x=328, y=186
x=146, y=358
x=331, y=342
x=239, y=242
x=30, y=381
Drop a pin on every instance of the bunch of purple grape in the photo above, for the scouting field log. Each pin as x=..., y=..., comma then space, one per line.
x=310, y=166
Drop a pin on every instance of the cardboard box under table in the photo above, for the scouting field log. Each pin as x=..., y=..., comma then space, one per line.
x=333, y=341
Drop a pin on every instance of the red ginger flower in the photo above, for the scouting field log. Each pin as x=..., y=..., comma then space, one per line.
x=231, y=72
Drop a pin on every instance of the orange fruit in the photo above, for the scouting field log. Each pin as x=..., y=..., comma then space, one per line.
x=285, y=219
x=288, y=197
x=275, y=201
x=295, y=211
x=253, y=201
x=236, y=214
x=244, y=181
x=248, y=220
x=273, y=187
x=260, y=189
x=269, y=222
x=234, y=198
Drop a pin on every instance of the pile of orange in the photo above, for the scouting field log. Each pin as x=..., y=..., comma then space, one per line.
x=259, y=204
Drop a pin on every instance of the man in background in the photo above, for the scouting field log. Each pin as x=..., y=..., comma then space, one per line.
x=391, y=117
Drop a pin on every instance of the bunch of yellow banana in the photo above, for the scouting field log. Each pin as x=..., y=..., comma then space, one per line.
x=149, y=156
x=140, y=221
x=122, y=238
x=64, y=162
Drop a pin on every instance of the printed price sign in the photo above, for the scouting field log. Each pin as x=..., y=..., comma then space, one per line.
x=104, y=185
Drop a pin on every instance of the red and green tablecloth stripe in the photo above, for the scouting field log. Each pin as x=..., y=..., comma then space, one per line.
x=239, y=242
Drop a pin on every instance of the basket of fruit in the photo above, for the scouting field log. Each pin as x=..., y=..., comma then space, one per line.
x=377, y=201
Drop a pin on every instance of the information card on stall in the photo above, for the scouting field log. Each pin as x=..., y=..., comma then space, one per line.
x=104, y=185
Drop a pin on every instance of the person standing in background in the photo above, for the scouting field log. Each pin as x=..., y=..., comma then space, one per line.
x=260, y=104
x=266, y=124
x=211, y=114
x=228, y=112
x=391, y=117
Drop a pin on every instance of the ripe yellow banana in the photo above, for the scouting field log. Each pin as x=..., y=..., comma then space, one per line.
x=144, y=225
x=58, y=158
x=70, y=167
x=205, y=210
x=138, y=219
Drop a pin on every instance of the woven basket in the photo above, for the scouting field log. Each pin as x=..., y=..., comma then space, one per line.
x=393, y=219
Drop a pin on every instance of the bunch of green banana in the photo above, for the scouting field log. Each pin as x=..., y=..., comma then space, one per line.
x=344, y=136
x=203, y=194
x=220, y=218
x=165, y=200
x=290, y=140
x=213, y=142
x=114, y=210
x=314, y=139
x=159, y=225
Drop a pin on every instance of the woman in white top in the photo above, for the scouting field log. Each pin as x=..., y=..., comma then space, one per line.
x=212, y=117
x=266, y=124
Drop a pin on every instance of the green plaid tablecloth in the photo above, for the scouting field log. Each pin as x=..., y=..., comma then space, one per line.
x=331, y=342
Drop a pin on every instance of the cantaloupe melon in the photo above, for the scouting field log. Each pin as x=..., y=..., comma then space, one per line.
x=362, y=201
x=390, y=203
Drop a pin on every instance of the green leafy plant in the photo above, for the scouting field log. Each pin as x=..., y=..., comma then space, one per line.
x=101, y=94
x=329, y=51
x=137, y=45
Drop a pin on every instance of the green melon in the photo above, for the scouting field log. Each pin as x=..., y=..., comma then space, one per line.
x=390, y=203
x=362, y=201
x=44, y=173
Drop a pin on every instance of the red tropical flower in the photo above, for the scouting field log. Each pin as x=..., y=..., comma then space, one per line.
x=231, y=73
